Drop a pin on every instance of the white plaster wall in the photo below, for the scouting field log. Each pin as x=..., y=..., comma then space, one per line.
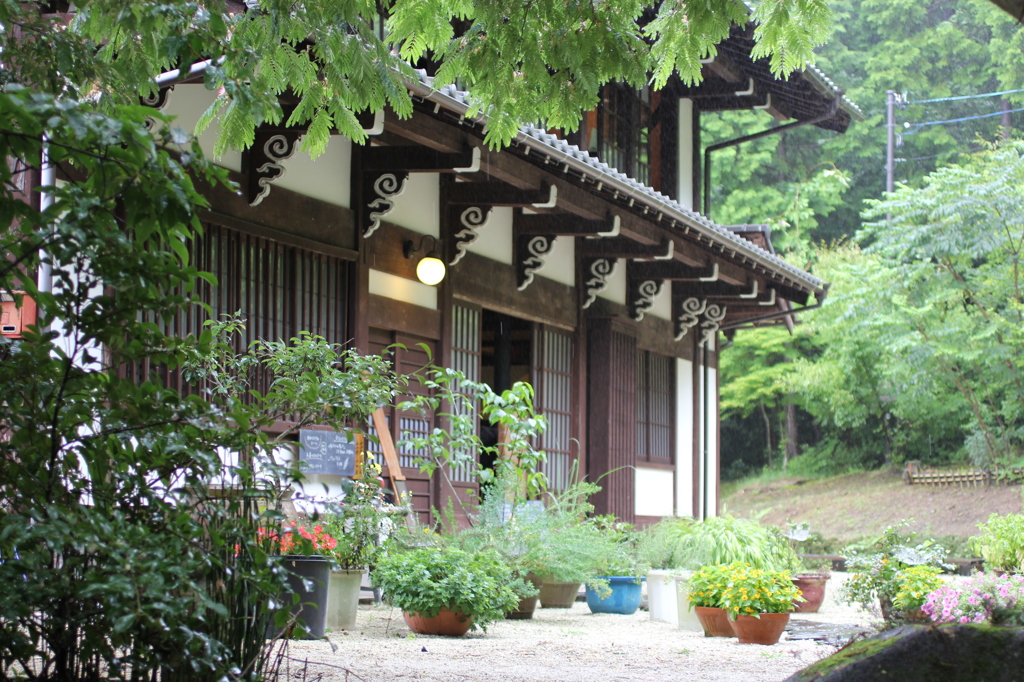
x=662, y=302
x=416, y=208
x=684, y=438
x=327, y=177
x=402, y=289
x=560, y=264
x=709, y=421
x=685, y=147
x=187, y=103
x=616, y=288
x=653, y=492
x=494, y=238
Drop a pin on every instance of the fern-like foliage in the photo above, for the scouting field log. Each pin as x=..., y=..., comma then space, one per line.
x=543, y=60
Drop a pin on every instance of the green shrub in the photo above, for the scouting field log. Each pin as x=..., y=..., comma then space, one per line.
x=1001, y=543
x=877, y=574
x=479, y=585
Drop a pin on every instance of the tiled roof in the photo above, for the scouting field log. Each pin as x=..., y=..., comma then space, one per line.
x=458, y=101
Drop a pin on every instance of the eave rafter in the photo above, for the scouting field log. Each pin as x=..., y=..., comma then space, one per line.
x=385, y=172
x=274, y=144
x=470, y=205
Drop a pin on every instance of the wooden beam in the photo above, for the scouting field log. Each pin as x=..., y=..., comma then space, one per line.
x=427, y=131
x=501, y=194
x=624, y=247
x=673, y=270
x=416, y=159
x=567, y=224
x=725, y=68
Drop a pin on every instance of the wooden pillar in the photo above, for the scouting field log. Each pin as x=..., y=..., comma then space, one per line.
x=611, y=400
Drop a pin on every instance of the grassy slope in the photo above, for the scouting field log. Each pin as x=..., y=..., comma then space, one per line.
x=856, y=506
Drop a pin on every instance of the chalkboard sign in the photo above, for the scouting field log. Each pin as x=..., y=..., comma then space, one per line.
x=327, y=452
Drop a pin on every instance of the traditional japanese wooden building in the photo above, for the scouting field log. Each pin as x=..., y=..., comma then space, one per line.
x=582, y=265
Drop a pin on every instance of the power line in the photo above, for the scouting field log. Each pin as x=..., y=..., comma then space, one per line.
x=918, y=126
x=953, y=99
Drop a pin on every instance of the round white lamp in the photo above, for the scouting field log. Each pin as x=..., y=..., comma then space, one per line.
x=431, y=269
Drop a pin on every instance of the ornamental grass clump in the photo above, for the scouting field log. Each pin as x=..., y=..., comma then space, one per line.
x=975, y=600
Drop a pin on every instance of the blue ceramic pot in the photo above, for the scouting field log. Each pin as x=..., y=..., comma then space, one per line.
x=624, y=599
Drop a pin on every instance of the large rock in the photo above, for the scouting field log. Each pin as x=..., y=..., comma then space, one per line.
x=916, y=653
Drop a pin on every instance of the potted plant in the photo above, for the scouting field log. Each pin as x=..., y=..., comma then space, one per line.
x=810, y=582
x=705, y=589
x=875, y=578
x=444, y=590
x=758, y=602
x=1001, y=543
x=505, y=523
x=303, y=553
x=660, y=547
x=359, y=524
x=620, y=571
x=562, y=546
x=915, y=584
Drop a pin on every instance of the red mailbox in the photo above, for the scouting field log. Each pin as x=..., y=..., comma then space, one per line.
x=16, y=318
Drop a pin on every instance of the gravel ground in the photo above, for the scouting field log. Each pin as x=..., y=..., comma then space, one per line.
x=563, y=645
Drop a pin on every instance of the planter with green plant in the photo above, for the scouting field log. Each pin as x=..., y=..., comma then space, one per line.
x=877, y=574
x=914, y=586
x=1001, y=543
x=305, y=555
x=360, y=524
x=810, y=582
x=621, y=569
x=445, y=590
x=758, y=602
x=705, y=589
x=660, y=548
x=561, y=545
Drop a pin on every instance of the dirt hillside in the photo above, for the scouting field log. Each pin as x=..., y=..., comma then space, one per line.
x=855, y=506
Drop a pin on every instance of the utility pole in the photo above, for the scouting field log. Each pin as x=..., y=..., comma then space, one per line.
x=890, y=147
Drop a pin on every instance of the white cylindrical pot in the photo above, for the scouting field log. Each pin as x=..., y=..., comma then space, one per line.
x=343, y=599
x=661, y=596
x=686, y=617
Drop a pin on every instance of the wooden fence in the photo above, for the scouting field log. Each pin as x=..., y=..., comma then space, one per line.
x=915, y=475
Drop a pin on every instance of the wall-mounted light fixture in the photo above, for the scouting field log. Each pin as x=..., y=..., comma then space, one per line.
x=430, y=270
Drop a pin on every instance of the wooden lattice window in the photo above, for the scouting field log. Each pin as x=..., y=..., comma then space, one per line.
x=279, y=289
x=553, y=353
x=466, y=359
x=622, y=132
x=408, y=357
x=654, y=427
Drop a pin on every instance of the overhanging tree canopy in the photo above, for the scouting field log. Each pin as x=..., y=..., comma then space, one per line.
x=533, y=61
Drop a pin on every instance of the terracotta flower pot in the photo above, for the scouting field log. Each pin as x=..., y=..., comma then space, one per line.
x=446, y=623
x=812, y=588
x=714, y=621
x=765, y=629
x=558, y=595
